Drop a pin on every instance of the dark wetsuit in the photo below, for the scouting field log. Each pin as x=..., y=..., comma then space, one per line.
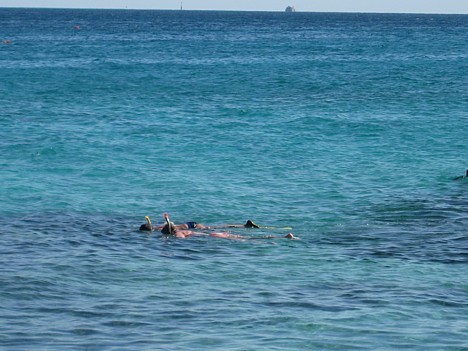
x=191, y=225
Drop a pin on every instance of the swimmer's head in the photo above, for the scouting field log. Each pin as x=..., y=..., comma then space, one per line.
x=146, y=227
x=169, y=229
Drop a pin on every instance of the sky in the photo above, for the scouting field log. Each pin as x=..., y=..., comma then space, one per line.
x=393, y=6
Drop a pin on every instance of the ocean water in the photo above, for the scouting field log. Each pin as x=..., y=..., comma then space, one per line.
x=349, y=128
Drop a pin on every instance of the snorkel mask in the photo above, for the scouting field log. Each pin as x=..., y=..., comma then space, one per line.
x=169, y=228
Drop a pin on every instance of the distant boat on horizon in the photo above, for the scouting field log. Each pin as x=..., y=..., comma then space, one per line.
x=290, y=9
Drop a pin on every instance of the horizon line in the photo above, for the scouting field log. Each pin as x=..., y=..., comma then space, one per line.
x=227, y=10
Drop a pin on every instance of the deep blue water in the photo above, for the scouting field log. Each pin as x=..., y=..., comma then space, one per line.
x=349, y=128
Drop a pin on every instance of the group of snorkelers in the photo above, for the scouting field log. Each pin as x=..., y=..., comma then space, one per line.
x=187, y=229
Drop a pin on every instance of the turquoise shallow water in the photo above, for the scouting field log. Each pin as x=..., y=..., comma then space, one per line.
x=347, y=127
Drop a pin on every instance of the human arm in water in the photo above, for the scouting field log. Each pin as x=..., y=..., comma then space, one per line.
x=188, y=233
x=235, y=236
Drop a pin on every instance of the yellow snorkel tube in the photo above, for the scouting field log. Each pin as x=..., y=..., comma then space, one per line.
x=148, y=220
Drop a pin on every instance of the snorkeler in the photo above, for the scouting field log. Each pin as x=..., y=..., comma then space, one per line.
x=171, y=229
x=148, y=226
x=462, y=177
